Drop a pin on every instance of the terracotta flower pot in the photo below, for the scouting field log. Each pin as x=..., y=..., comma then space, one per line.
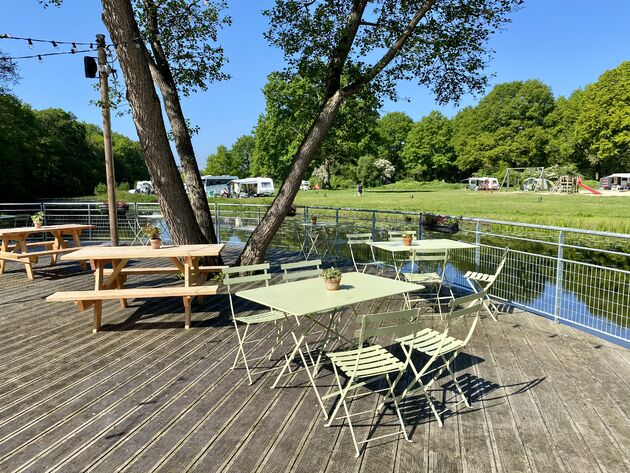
x=407, y=241
x=155, y=243
x=332, y=284
x=314, y=220
x=38, y=225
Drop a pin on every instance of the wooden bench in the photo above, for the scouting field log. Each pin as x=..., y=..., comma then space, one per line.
x=37, y=254
x=34, y=244
x=138, y=270
x=85, y=299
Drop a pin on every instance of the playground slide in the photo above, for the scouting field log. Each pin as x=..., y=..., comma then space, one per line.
x=588, y=188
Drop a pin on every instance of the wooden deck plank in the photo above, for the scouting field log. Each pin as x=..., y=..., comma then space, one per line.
x=146, y=394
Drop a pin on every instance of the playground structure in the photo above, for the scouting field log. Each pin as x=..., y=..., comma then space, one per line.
x=571, y=185
x=537, y=173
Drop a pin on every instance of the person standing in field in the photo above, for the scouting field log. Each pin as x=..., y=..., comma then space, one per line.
x=359, y=189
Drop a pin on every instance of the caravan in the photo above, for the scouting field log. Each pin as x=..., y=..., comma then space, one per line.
x=217, y=186
x=252, y=187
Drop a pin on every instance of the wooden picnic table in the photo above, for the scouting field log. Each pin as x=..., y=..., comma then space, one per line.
x=109, y=282
x=15, y=246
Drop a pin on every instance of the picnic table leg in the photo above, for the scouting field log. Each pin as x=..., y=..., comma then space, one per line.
x=187, y=301
x=57, y=245
x=76, y=238
x=98, y=312
x=27, y=263
x=5, y=248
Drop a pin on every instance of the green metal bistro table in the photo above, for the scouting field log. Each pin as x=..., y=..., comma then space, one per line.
x=397, y=247
x=309, y=298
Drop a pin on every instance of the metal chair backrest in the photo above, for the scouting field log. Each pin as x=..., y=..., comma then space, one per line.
x=466, y=306
x=398, y=234
x=359, y=239
x=236, y=275
x=388, y=324
x=301, y=270
x=489, y=279
x=434, y=258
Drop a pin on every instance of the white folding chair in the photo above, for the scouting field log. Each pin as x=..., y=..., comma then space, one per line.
x=484, y=281
x=370, y=362
x=398, y=234
x=361, y=240
x=441, y=347
x=235, y=276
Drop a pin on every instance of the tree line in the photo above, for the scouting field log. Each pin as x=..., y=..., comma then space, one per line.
x=517, y=124
x=49, y=153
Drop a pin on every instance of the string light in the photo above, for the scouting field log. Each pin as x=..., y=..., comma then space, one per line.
x=30, y=43
x=55, y=45
x=35, y=40
x=40, y=56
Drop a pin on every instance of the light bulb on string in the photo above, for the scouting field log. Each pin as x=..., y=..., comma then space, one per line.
x=39, y=58
x=54, y=43
x=30, y=43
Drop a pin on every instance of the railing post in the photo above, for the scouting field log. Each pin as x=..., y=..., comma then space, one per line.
x=216, y=220
x=336, y=230
x=217, y=217
x=559, y=274
x=42, y=208
x=421, y=227
x=89, y=209
x=478, y=245
x=374, y=225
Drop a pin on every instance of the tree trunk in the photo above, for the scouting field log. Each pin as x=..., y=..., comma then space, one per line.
x=147, y=116
x=260, y=239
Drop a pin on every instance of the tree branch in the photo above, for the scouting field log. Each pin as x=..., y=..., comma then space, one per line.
x=391, y=53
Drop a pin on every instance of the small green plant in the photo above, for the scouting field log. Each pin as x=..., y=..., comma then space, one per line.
x=100, y=189
x=38, y=218
x=332, y=274
x=152, y=231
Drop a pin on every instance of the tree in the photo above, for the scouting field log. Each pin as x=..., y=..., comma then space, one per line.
x=118, y=17
x=562, y=148
x=8, y=73
x=506, y=128
x=242, y=151
x=602, y=128
x=220, y=163
x=367, y=172
x=442, y=44
x=428, y=152
x=392, y=130
x=182, y=57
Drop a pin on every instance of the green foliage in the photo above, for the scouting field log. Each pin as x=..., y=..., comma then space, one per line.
x=100, y=189
x=367, y=172
x=332, y=273
x=219, y=163
x=49, y=153
x=38, y=217
x=151, y=231
x=506, y=128
x=428, y=151
x=8, y=73
x=392, y=131
x=602, y=128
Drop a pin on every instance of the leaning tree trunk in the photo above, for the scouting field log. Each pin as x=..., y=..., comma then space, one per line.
x=260, y=239
x=162, y=75
x=147, y=116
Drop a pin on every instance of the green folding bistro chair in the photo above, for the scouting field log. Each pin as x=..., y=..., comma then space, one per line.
x=235, y=276
x=398, y=234
x=370, y=362
x=483, y=282
x=440, y=347
x=435, y=262
x=361, y=240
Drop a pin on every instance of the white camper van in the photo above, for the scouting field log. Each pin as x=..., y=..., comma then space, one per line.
x=252, y=187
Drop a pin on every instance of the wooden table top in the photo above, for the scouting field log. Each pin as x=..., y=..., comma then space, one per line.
x=143, y=252
x=4, y=232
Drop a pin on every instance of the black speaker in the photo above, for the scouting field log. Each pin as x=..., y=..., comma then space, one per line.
x=89, y=64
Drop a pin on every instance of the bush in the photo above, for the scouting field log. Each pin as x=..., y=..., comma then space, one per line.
x=100, y=189
x=340, y=182
x=123, y=187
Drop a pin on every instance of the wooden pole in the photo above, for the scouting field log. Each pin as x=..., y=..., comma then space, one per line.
x=107, y=139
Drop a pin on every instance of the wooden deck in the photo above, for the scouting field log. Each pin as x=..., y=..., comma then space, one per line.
x=145, y=395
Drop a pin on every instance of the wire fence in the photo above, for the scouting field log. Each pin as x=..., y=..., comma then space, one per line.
x=580, y=277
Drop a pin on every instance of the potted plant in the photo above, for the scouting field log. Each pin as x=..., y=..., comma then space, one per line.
x=407, y=239
x=292, y=211
x=314, y=220
x=153, y=233
x=332, y=278
x=122, y=206
x=38, y=219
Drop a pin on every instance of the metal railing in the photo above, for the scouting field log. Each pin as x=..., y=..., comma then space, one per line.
x=580, y=277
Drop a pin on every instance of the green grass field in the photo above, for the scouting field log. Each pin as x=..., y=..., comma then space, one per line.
x=577, y=210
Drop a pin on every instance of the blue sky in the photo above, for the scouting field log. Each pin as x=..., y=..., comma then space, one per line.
x=565, y=43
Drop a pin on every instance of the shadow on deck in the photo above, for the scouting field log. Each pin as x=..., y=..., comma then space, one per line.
x=145, y=395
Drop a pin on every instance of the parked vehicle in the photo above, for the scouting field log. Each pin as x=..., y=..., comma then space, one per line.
x=483, y=184
x=252, y=187
x=217, y=185
x=143, y=187
x=619, y=181
x=305, y=186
